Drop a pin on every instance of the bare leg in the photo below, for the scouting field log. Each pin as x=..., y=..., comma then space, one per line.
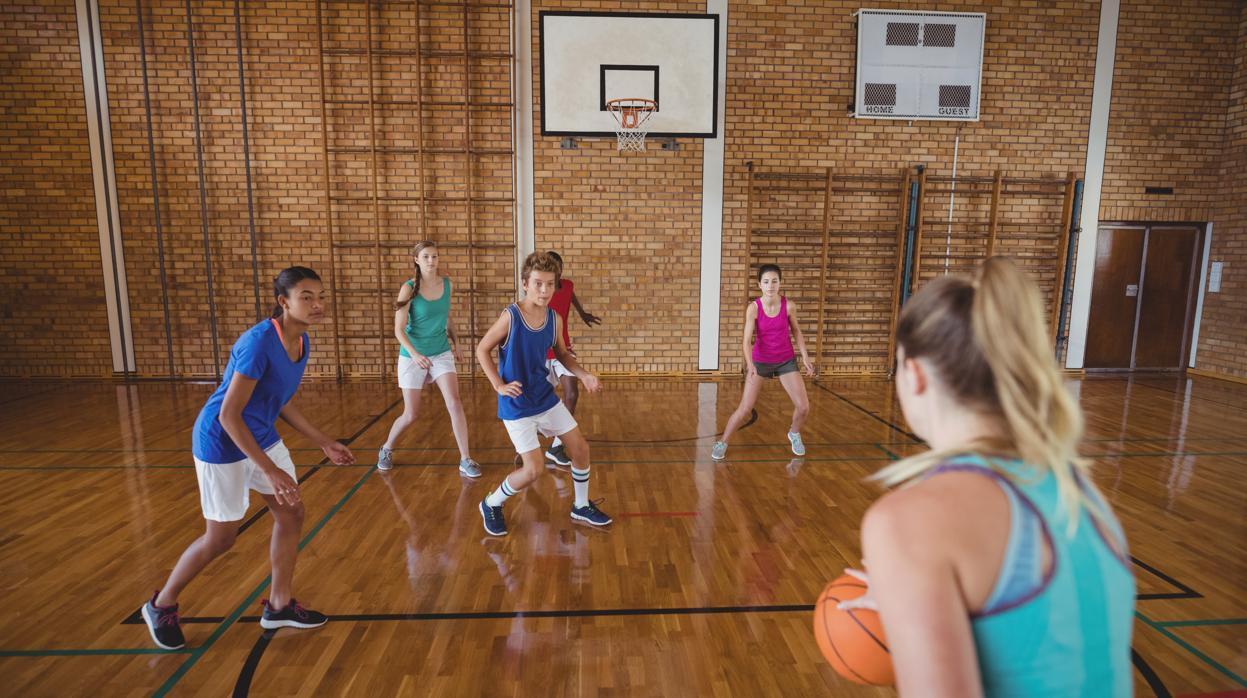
x=283, y=549
x=217, y=538
x=411, y=408
x=571, y=392
x=795, y=386
x=753, y=384
x=449, y=385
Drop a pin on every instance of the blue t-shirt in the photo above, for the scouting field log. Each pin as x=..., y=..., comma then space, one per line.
x=257, y=354
x=523, y=358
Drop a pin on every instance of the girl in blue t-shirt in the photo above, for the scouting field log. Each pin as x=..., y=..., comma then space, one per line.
x=237, y=448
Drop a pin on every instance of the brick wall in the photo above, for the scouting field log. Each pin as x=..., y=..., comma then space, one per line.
x=790, y=84
x=1223, y=328
x=1167, y=119
x=364, y=257
x=52, y=304
x=629, y=226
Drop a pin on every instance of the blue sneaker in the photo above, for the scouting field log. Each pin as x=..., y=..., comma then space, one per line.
x=590, y=514
x=495, y=524
x=798, y=446
x=718, y=451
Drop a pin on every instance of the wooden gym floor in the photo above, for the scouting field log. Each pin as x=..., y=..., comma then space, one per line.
x=703, y=586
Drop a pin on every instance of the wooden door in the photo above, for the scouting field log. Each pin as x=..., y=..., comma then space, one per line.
x=1165, y=298
x=1114, y=297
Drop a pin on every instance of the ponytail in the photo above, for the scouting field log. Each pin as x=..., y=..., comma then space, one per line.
x=285, y=282
x=986, y=340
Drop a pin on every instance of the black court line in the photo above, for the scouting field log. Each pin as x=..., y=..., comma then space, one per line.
x=243, y=685
x=870, y=414
x=324, y=461
x=1153, y=681
x=135, y=618
x=1185, y=593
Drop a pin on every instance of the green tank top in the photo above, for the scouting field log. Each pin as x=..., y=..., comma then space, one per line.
x=1068, y=635
x=426, y=322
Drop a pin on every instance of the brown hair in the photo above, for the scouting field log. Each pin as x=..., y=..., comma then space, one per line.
x=540, y=261
x=985, y=339
x=415, y=254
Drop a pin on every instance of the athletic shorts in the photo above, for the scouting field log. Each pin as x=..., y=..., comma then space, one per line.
x=412, y=377
x=223, y=487
x=555, y=421
x=557, y=371
x=766, y=370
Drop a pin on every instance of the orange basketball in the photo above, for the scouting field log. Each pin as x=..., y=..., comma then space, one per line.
x=852, y=641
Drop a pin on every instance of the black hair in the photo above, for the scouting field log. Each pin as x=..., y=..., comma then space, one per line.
x=285, y=282
x=769, y=267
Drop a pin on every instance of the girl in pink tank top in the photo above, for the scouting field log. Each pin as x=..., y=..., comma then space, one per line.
x=770, y=328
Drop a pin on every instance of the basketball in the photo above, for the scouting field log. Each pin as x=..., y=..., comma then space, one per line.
x=852, y=641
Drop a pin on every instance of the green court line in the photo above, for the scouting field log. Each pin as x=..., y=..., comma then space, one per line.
x=891, y=456
x=88, y=652
x=1199, y=623
x=199, y=651
x=1163, y=630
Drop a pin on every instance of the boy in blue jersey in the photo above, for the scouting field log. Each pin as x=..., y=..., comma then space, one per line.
x=527, y=403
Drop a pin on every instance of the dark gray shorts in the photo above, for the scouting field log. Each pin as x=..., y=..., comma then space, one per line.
x=766, y=370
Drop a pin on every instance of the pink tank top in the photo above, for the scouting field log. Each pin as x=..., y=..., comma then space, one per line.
x=771, y=343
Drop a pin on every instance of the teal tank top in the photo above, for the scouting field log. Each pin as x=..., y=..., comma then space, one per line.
x=426, y=322
x=1063, y=632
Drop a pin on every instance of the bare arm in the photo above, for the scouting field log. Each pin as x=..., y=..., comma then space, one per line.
x=751, y=319
x=914, y=583
x=452, y=334
x=405, y=296
x=494, y=337
x=796, y=333
x=569, y=360
x=285, y=489
x=589, y=318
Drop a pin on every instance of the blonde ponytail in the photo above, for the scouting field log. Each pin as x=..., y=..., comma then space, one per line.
x=986, y=339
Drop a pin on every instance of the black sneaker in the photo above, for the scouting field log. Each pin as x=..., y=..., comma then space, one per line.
x=495, y=523
x=293, y=615
x=590, y=513
x=162, y=622
x=558, y=454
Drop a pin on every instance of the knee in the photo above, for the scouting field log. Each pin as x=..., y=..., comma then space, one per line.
x=290, y=514
x=579, y=453
x=801, y=408
x=219, y=542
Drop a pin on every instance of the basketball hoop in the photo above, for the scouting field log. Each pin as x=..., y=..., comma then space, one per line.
x=631, y=116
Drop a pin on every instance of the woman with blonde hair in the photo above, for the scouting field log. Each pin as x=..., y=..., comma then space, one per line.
x=995, y=564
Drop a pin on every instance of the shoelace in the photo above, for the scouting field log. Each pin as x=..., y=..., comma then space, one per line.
x=167, y=618
x=299, y=610
x=593, y=505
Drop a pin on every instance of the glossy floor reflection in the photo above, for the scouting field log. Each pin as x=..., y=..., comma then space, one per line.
x=702, y=586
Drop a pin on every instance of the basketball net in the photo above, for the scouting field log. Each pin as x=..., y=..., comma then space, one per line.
x=631, y=119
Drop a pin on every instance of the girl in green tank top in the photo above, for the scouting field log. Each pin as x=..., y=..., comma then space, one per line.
x=427, y=351
x=996, y=566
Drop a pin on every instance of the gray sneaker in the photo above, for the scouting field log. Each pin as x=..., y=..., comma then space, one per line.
x=718, y=451
x=798, y=447
x=385, y=459
x=470, y=468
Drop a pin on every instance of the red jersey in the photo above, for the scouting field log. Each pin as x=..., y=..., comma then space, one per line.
x=561, y=303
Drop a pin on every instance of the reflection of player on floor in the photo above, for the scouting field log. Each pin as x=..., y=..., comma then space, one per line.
x=561, y=302
x=527, y=403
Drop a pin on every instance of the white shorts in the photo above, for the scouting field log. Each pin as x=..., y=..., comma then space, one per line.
x=412, y=377
x=557, y=370
x=223, y=486
x=555, y=421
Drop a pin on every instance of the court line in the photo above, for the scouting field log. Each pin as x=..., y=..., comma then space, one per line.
x=19, y=398
x=324, y=461
x=1187, y=592
x=1182, y=396
x=1191, y=649
x=89, y=652
x=1201, y=623
x=198, y=652
x=1158, y=687
x=867, y=412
